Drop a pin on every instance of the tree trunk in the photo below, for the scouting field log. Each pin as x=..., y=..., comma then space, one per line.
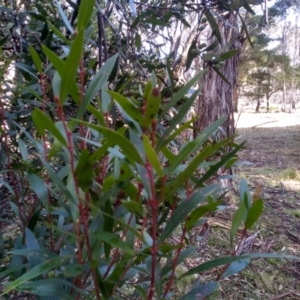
x=216, y=98
x=235, y=97
x=283, y=108
x=257, y=106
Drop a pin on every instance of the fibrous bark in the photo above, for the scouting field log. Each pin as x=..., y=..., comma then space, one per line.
x=216, y=98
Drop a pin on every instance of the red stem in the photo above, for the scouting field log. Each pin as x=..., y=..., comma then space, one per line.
x=170, y=282
x=153, y=205
x=82, y=73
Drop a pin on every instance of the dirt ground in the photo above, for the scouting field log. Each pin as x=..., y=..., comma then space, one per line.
x=266, y=120
x=272, y=166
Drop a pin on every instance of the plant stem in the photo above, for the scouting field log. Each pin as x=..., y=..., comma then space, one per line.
x=153, y=205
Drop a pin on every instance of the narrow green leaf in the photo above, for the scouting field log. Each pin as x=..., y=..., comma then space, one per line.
x=23, y=149
x=57, y=62
x=3, y=41
x=181, y=93
x=254, y=213
x=36, y=271
x=84, y=171
x=191, y=55
x=59, y=65
x=54, y=288
x=39, y=187
x=237, y=220
x=195, y=144
x=201, y=292
x=135, y=22
x=127, y=147
x=221, y=163
x=101, y=284
x=25, y=88
x=36, y=59
x=120, y=221
x=184, y=209
x=185, y=253
x=231, y=162
x=153, y=101
x=113, y=74
x=248, y=7
x=213, y=24
x=182, y=112
x=185, y=22
x=133, y=207
x=9, y=188
x=97, y=113
x=71, y=66
x=59, y=33
x=165, y=141
x=192, y=167
x=42, y=122
x=200, y=212
x=115, y=279
x=152, y=156
x=108, y=225
x=100, y=152
x=141, y=291
x=168, y=154
x=245, y=195
x=236, y=267
x=105, y=99
x=212, y=46
x=226, y=260
x=27, y=69
x=96, y=84
x=228, y=54
x=246, y=30
x=138, y=42
x=221, y=75
x=128, y=107
x=85, y=14
x=112, y=239
x=236, y=4
x=255, y=2
x=147, y=89
x=64, y=17
x=169, y=74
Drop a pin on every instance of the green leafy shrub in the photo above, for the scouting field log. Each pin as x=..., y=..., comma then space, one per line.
x=105, y=206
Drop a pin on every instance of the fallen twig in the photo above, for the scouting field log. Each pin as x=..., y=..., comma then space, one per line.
x=281, y=296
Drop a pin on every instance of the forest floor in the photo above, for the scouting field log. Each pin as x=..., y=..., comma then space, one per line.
x=272, y=167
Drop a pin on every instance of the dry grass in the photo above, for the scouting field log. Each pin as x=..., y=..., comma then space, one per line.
x=273, y=150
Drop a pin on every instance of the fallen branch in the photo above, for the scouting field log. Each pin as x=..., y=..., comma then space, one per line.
x=282, y=296
x=264, y=123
